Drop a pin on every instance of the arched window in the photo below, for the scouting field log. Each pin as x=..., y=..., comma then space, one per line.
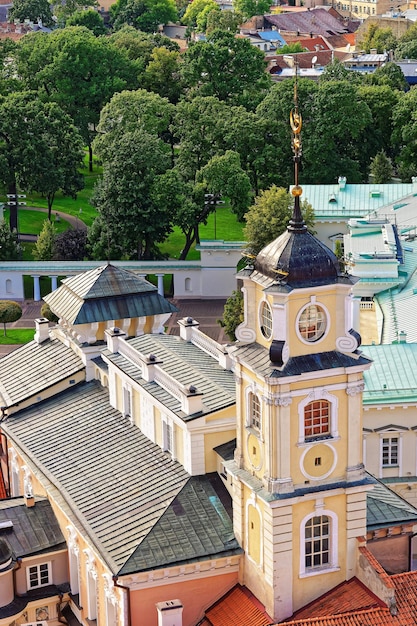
x=9, y=286
x=318, y=543
x=255, y=412
x=317, y=419
x=188, y=284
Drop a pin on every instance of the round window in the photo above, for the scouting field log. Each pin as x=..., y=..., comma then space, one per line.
x=312, y=323
x=266, y=320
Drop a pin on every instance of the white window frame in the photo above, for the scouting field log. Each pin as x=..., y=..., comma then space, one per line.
x=168, y=435
x=38, y=574
x=326, y=321
x=266, y=315
x=391, y=434
x=314, y=395
x=127, y=401
x=332, y=565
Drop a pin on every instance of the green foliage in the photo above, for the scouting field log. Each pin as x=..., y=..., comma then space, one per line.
x=47, y=313
x=10, y=249
x=223, y=20
x=32, y=10
x=70, y=245
x=89, y=18
x=249, y=8
x=389, y=74
x=145, y=15
x=124, y=196
x=9, y=312
x=269, y=216
x=44, y=248
x=100, y=244
x=292, y=48
x=232, y=314
x=194, y=9
x=380, y=39
x=162, y=75
x=336, y=71
x=231, y=69
x=381, y=168
x=404, y=134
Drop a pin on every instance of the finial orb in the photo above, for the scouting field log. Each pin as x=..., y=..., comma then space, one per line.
x=296, y=190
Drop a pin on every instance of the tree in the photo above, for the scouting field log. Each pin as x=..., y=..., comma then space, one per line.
x=146, y=15
x=70, y=245
x=381, y=168
x=389, y=74
x=100, y=244
x=78, y=71
x=197, y=7
x=33, y=10
x=249, y=8
x=44, y=247
x=336, y=71
x=375, y=37
x=269, y=216
x=40, y=148
x=89, y=18
x=233, y=314
x=404, y=134
x=48, y=314
x=124, y=196
x=223, y=20
x=10, y=249
x=162, y=74
x=231, y=69
x=127, y=111
x=292, y=48
x=9, y=312
x=139, y=46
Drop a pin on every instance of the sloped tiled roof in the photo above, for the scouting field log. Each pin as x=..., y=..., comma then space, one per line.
x=385, y=508
x=318, y=22
x=347, y=597
x=51, y=361
x=237, y=608
x=35, y=529
x=117, y=508
x=106, y=293
x=187, y=364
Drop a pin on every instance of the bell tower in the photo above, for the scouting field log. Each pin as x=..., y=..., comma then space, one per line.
x=299, y=495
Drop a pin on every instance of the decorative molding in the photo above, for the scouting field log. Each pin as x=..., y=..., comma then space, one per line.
x=73, y=541
x=355, y=389
x=90, y=563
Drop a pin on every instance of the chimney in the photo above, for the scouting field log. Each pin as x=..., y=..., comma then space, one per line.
x=42, y=330
x=169, y=613
x=342, y=182
x=29, y=500
x=402, y=337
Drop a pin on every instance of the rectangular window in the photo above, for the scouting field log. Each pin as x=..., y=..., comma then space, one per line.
x=316, y=419
x=389, y=451
x=38, y=575
x=167, y=434
x=317, y=542
x=255, y=412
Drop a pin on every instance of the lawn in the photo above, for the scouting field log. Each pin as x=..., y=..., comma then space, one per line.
x=16, y=336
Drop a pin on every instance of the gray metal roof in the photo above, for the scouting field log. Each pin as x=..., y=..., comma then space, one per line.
x=84, y=447
x=106, y=293
x=187, y=364
x=386, y=508
x=393, y=375
x=30, y=369
x=257, y=358
x=35, y=530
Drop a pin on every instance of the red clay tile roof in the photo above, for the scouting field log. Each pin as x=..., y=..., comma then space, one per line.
x=347, y=597
x=237, y=608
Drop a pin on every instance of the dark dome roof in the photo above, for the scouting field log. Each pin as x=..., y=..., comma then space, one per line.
x=6, y=554
x=298, y=259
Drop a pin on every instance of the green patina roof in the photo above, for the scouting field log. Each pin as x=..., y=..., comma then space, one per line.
x=386, y=508
x=353, y=200
x=106, y=293
x=393, y=376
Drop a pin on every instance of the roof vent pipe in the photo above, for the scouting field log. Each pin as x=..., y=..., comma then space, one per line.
x=342, y=182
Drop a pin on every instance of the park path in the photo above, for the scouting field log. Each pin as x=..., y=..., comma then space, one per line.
x=75, y=222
